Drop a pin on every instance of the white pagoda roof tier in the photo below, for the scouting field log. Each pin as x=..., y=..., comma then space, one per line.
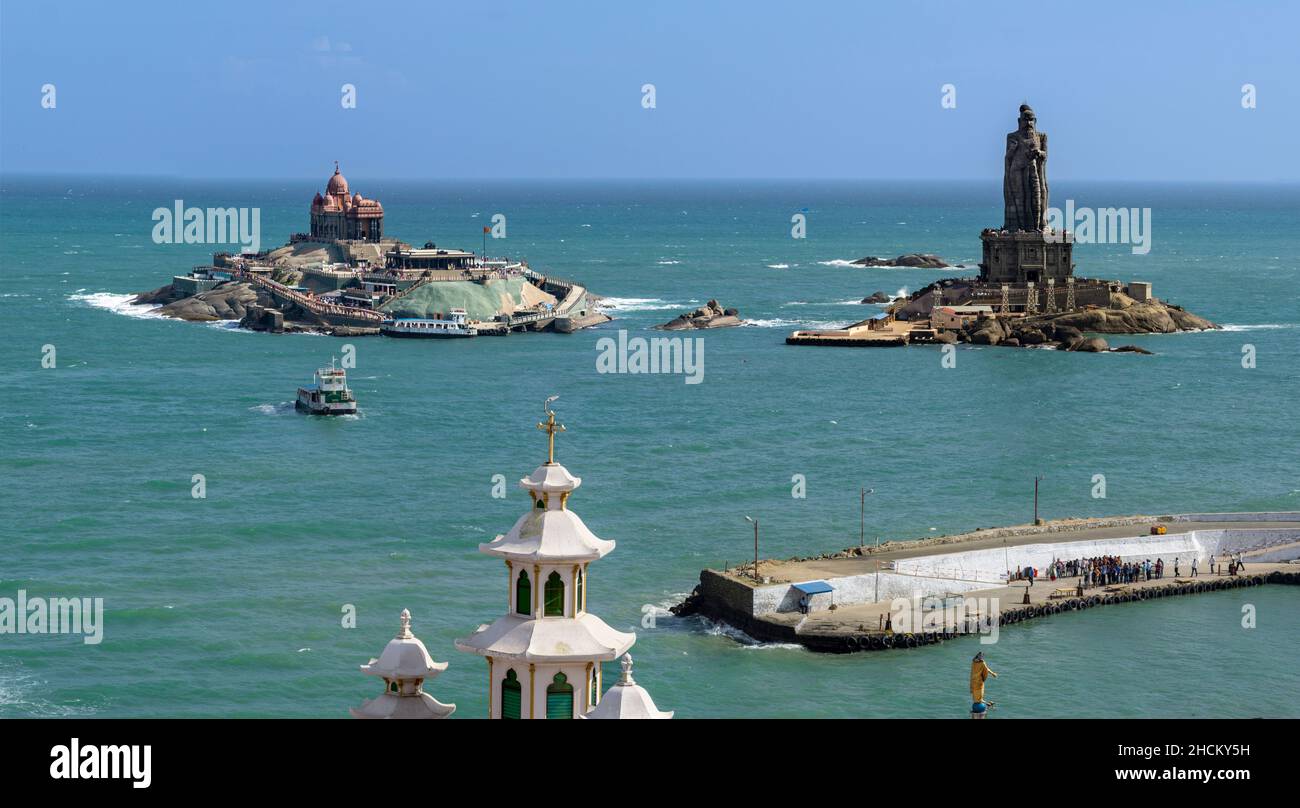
x=555, y=534
x=550, y=478
x=627, y=699
x=389, y=705
x=405, y=657
x=548, y=639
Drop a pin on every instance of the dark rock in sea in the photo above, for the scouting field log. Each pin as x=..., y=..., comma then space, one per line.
x=1031, y=336
x=1131, y=349
x=946, y=337
x=1010, y=342
x=161, y=295
x=914, y=260
x=877, y=297
x=1063, y=333
x=1124, y=316
x=1091, y=345
x=224, y=302
x=710, y=315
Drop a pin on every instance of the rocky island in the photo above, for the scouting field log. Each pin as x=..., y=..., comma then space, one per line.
x=345, y=277
x=1026, y=293
x=912, y=260
x=710, y=315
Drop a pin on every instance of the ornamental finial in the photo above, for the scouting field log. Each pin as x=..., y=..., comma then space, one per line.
x=626, y=679
x=405, y=632
x=550, y=428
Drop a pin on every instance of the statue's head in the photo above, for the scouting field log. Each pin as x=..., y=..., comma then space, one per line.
x=1027, y=117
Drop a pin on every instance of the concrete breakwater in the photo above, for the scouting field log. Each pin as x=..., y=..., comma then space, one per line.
x=856, y=599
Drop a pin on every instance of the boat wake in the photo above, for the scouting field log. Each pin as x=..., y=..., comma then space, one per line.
x=283, y=408
x=1258, y=327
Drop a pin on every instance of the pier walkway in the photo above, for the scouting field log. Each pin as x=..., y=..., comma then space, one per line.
x=939, y=586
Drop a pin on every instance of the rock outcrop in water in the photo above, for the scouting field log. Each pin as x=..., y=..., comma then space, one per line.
x=878, y=297
x=710, y=315
x=227, y=301
x=913, y=260
x=1066, y=331
x=1127, y=316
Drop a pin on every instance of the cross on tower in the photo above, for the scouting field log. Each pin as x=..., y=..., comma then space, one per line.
x=550, y=427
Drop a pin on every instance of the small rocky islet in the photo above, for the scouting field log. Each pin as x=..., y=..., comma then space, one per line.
x=909, y=260
x=710, y=315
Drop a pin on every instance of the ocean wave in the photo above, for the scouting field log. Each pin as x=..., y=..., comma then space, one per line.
x=640, y=304
x=716, y=629
x=119, y=304
x=854, y=302
x=1258, y=326
x=667, y=263
x=778, y=266
x=806, y=325
x=227, y=325
x=837, y=262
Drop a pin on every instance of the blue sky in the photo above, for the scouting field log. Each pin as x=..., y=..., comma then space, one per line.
x=1126, y=90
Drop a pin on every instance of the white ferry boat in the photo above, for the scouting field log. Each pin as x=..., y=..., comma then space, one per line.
x=329, y=395
x=456, y=324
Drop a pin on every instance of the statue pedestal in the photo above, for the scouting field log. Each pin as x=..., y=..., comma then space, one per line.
x=1026, y=257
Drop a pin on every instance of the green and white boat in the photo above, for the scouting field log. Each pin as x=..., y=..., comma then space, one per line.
x=329, y=395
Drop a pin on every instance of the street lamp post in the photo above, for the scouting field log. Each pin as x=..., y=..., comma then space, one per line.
x=1037, y=479
x=755, y=523
x=862, y=514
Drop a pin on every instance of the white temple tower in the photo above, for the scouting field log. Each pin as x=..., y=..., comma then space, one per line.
x=404, y=665
x=544, y=654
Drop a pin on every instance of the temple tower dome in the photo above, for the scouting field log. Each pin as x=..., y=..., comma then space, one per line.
x=404, y=665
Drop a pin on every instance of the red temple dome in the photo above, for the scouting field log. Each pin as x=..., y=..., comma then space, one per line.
x=338, y=184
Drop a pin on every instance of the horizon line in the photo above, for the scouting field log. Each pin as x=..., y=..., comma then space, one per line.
x=639, y=179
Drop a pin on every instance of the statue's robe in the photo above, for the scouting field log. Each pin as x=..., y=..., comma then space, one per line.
x=1024, y=184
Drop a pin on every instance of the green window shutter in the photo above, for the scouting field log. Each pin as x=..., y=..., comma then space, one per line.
x=523, y=594
x=510, y=696
x=554, y=591
x=559, y=698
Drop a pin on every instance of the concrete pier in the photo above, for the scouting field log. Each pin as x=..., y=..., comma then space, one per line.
x=945, y=587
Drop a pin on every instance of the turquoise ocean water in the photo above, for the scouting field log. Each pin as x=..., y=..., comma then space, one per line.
x=230, y=605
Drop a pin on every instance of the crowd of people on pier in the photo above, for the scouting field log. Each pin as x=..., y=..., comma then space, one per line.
x=1112, y=570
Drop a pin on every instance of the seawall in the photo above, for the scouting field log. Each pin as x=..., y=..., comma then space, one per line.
x=852, y=616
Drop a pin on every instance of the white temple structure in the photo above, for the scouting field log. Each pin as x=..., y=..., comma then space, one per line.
x=627, y=699
x=544, y=654
x=404, y=665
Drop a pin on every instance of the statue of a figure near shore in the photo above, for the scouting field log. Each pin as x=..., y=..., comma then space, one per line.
x=1024, y=183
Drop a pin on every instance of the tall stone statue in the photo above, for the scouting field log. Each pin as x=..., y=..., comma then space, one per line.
x=1024, y=182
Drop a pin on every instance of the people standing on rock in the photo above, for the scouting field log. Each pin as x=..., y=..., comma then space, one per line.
x=1193, y=566
x=1175, y=566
